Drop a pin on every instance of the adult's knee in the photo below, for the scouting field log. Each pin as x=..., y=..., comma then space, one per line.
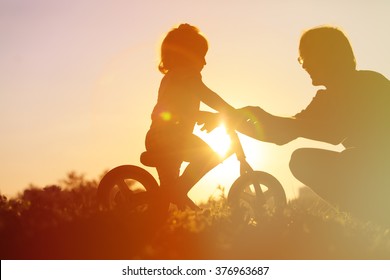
x=298, y=163
x=320, y=170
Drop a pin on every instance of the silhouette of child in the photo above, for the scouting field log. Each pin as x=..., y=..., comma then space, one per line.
x=170, y=139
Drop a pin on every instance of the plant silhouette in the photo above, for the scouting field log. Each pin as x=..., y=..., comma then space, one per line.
x=65, y=223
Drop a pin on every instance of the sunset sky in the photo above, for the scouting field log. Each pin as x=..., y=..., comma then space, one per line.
x=79, y=79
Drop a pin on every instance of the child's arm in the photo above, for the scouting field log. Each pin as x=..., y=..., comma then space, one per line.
x=214, y=101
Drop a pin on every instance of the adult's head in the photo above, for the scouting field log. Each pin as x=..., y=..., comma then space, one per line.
x=183, y=47
x=326, y=54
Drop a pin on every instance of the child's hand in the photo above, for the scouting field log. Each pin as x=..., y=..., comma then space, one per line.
x=209, y=120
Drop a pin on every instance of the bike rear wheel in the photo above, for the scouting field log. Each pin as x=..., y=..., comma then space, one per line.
x=131, y=188
x=256, y=195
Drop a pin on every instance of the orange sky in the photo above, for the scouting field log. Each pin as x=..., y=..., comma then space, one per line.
x=78, y=79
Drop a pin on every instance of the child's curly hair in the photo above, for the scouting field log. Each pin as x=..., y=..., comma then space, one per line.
x=182, y=47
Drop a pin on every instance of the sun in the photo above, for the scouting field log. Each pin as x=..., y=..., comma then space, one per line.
x=218, y=139
x=229, y=170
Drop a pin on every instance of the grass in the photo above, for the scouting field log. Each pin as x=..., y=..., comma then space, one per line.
x=66, y=223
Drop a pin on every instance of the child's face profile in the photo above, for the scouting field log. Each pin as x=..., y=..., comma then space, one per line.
x=199, y=62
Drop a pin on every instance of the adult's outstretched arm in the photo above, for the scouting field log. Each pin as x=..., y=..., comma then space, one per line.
x=266, y=127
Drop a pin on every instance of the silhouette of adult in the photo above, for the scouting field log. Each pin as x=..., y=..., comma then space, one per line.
x=354, y=110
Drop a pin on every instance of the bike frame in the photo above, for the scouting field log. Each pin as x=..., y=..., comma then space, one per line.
x=239, y=152
x=116, y=177
x=237, y=148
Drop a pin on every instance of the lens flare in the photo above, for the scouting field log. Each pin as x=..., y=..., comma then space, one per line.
x=166, y=116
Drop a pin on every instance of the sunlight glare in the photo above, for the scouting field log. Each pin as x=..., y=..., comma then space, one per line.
x=229, y=170
x=218, y=139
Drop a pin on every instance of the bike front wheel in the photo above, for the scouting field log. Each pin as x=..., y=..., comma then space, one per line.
x=256, y=195
x=128, y=187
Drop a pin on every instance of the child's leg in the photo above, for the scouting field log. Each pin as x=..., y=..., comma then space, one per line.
x=168, y=174
x=169, y=181
x=202, y=158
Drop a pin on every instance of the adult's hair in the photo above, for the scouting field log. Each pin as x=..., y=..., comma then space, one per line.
x=182, y=46
x=330, y=44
